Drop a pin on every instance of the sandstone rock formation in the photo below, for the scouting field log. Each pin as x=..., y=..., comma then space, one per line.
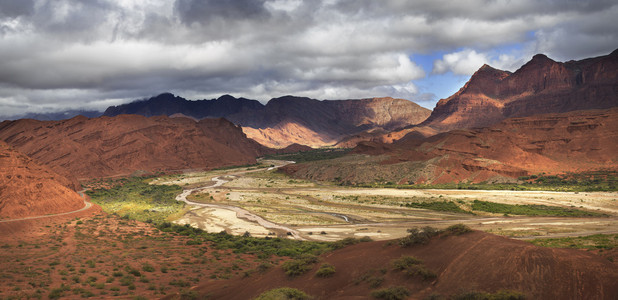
x=29, y=189
x=122, y=145
x=540, y=86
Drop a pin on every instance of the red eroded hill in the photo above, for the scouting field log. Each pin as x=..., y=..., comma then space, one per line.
x=28, y=189
x=538, y=87
x=553, y=143
x=473, y=261
x=121, y=145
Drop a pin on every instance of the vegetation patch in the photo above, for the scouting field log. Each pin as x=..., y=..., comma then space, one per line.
x=311, y=155
x=325, y=270
x=300, y=265
x=597, y=241
x=531, y=210
x=391, y=293
x=134, y=198
x=567, y=182
x=413, y=267
x=500, y=295
x=420, y=236
x=262, y=247
x=284, y=293
x=448, y=206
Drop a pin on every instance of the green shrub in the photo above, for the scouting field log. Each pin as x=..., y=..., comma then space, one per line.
x=300, y=265
x=418, y=236
x=447, y=206
x=500, y=295
x=531, y=210
x=420, y=270
x=404, y=262
x=375, y=281
x=391, y=293
x=457, y=229
x=284, y=293
x=325, y=270
x=133, y=271
x=58, y=292
x=413, y=267
x=127, y=280
x=146, y=267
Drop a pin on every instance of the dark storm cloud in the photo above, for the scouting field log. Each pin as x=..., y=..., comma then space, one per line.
x=57, y=54
x=203, y=11
x=16, y=8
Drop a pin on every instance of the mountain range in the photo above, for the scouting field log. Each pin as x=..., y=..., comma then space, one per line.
x=540, y=86
x=289, y=119
x=547, y=116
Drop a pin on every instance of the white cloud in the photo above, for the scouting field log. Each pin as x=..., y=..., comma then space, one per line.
x=81, y=53
x=468, y=61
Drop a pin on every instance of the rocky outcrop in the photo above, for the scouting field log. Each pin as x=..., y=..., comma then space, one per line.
x=540, y=86
x=29, y=189
x=122, y=145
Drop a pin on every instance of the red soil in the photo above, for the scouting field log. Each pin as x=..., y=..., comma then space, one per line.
x=471, y=262
x=29, y=189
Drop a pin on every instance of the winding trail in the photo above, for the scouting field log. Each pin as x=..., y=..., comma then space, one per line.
x=87, y=205
x=240, y=212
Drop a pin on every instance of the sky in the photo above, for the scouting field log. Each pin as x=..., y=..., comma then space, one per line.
x=89, y=54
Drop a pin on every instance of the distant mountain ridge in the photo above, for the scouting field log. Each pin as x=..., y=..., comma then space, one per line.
x=167, y=104
x=540, y=86
x=289, y=119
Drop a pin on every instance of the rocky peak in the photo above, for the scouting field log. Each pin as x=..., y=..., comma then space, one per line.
x=542, y=85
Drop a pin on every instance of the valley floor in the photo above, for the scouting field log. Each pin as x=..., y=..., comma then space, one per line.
x=324, y=212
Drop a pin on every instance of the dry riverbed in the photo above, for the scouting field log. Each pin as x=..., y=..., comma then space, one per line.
x=308, y=210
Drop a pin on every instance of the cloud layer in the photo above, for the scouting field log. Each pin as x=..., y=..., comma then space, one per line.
x=60, y=54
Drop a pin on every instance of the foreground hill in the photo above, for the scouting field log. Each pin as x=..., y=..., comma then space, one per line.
x=28, y=189
x=553, y=143
x=460, y=264
x=107, y=146
x=287, y=120
x=540, y=86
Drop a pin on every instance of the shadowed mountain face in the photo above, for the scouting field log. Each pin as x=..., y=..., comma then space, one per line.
x=554, y=143
x=540, y=86
x=106, y=146
x=29, y=189
x=288, y=120
x=167, y=104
